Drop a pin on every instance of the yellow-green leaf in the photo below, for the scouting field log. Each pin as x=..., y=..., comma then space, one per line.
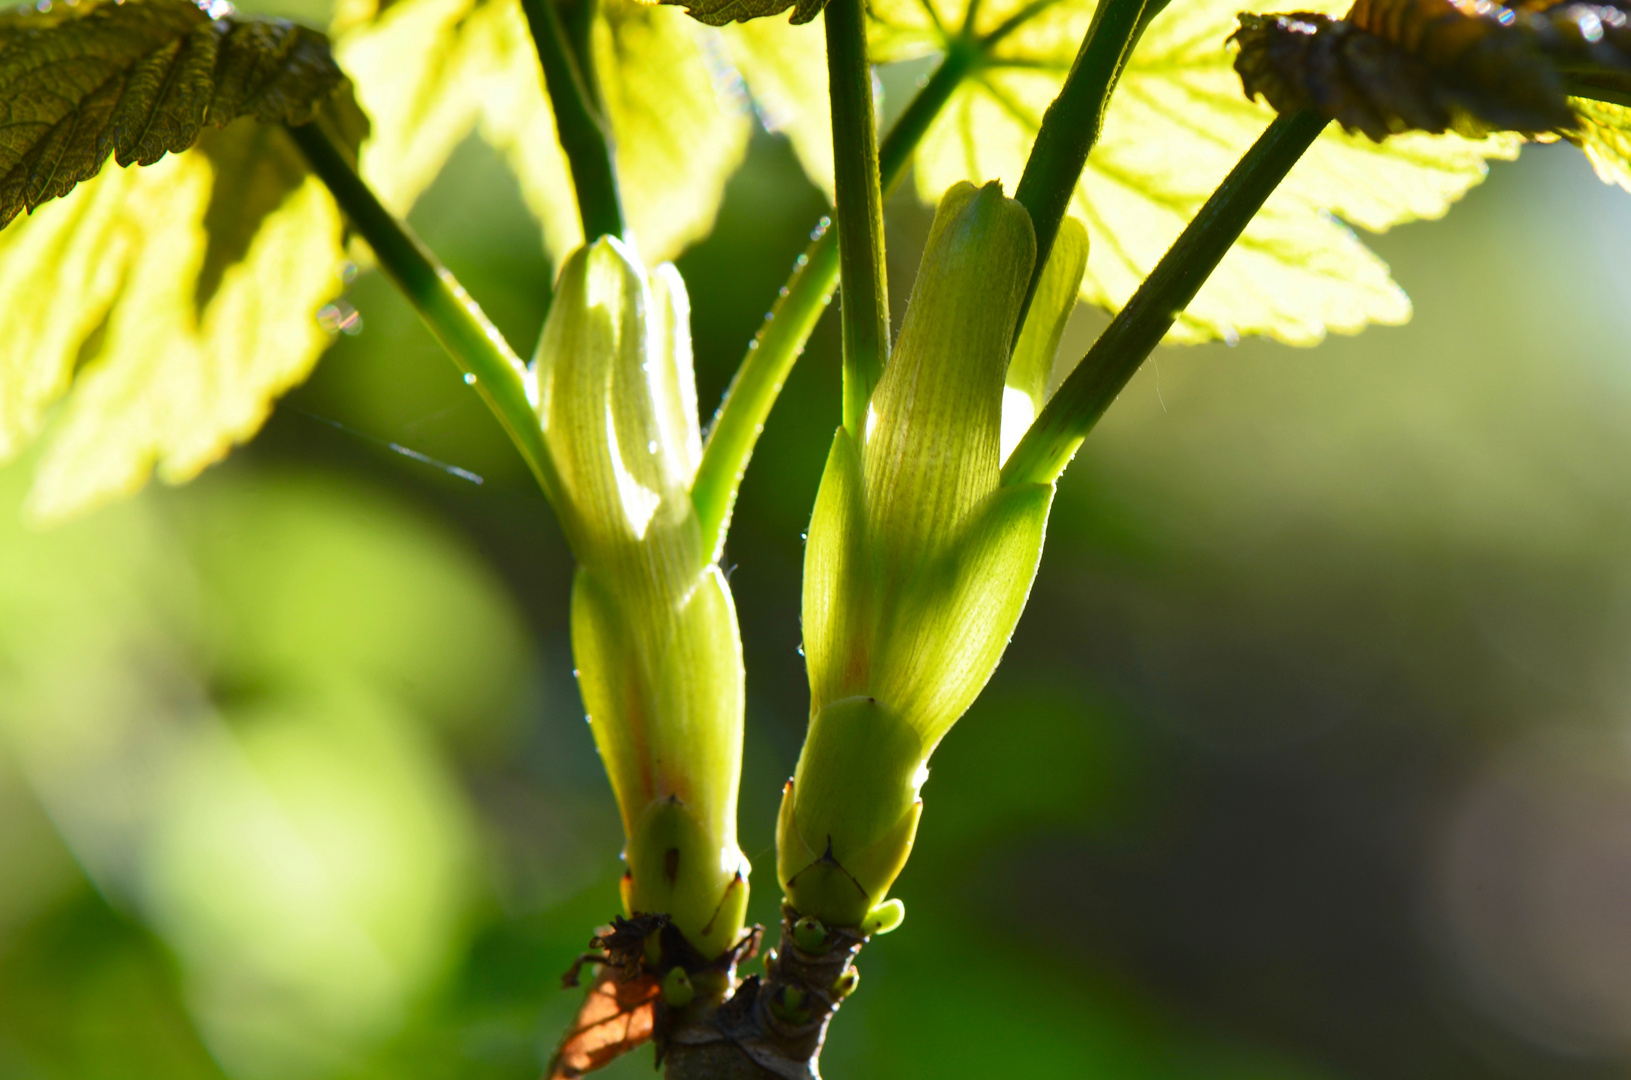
x=165, y=308
x=428, y=72
x=785, y=69
x=1175, y=127
x=138, y=79
x=1605, y=135
x=680, y=131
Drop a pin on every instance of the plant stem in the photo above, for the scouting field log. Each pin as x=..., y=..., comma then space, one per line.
x=1136, y=330
x=859, y=207
x=780, y=341
x=578, y=20
x=476, y=346
x=584, y=133
x=1073, y=122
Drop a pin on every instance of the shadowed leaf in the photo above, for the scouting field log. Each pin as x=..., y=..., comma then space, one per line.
x=720, y=12
x=1429, y=69
x=138, y=80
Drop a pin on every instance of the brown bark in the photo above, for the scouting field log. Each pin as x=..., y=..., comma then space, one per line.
x=770, y=1028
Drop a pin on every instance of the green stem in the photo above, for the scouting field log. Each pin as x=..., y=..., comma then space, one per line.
x=781, y=339
x=1136, y=330
x=480, y=351
x=578, y=20
x=1072, y=124
x=584, y=133
x=859, y=207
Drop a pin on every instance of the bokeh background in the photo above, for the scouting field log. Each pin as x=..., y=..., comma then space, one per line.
x=1311, y=757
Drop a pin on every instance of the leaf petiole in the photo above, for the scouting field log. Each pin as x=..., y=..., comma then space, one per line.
x=1136, y=330
x=584, y=133
x=1073, y=122
x=475, y=344
x=859, y=207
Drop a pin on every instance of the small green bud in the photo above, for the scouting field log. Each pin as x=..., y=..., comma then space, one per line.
x=845, y=984
x=885, y=917
x=810, y=935
x=788, y=1004
x=677, y=988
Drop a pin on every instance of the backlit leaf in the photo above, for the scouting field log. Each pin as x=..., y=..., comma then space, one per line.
x=431, y=71
x=1176, y=126
x=168, y=339
x=680, y=124
x=138, y=80
x=1604, y=133
x=785, y=69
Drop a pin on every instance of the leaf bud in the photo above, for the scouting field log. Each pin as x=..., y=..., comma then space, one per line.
x=810, y=935
x=919, y=561
x=654, y=630
x=845, y=984
x=677, y=988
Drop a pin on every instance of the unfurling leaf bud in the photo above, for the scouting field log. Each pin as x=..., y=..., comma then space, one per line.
x=919, y=561
x=654, y=630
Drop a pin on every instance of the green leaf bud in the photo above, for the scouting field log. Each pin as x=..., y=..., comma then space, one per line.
x=654, y=629
x=931, y=445
x=677, y=988
x=810, y=935
x=845, y=984
x=918, y=561
x=790, y=1005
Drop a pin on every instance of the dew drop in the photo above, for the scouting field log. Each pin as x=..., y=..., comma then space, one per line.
x=340, y=317
x=470, y=378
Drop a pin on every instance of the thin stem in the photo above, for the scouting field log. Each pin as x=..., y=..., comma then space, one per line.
x=475, y=344
x=578, y=20
x=859, y=207
x=781, y=339
x=1136, y=330
x=1072, y=124
x=584, y=133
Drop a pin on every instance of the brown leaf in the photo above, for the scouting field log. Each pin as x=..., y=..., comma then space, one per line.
x=617, y=1015
x=1403, y=65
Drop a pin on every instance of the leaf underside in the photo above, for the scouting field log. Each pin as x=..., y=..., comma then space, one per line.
x=720, y=12
x=136, y=80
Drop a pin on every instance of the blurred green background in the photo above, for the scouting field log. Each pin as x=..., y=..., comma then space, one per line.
x=1311, y=757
